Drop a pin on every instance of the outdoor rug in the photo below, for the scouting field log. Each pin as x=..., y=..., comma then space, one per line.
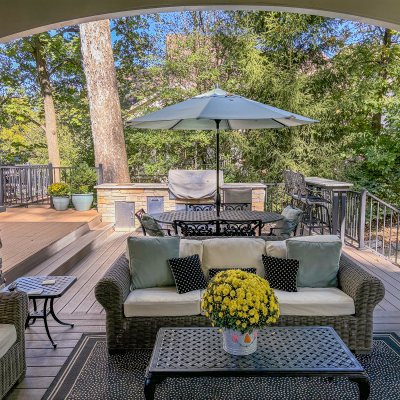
x=90, y=373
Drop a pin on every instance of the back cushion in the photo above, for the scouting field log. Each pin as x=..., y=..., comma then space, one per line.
x=233, y=253
x=189, y=247
x=276, y=248
x=318, y=257
x=148, y=260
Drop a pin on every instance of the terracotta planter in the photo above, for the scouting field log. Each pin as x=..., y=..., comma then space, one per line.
x=82, y=202
x=60, y=203
x=240, y=344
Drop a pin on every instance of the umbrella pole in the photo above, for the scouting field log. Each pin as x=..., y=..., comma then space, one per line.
x=217, y=122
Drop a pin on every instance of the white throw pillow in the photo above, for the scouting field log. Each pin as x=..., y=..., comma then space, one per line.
x=276, y=248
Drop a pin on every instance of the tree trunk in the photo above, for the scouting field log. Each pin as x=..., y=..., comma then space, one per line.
x=48, y=103
x=105, y=111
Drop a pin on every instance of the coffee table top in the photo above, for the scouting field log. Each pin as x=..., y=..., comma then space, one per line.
x=286, y=350
x=28, y=283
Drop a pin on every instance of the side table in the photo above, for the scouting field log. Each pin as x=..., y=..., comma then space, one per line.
x=48, y=294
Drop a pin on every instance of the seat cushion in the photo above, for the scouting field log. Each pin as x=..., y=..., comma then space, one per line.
x=8, y=336
x=315, y=302
x=148, y=261
x=233, y=253
x=161, y=302
x=319, y=258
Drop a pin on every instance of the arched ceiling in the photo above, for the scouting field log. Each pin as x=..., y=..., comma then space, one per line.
x=23, y=17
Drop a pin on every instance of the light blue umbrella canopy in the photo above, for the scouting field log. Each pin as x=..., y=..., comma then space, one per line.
x=235, y=112
x=219, y=110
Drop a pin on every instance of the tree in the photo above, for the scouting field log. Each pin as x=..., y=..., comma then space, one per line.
x=40, y=76
x=105, y=111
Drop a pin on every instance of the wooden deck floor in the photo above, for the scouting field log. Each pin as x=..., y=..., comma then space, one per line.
x=36, y=228
x=79, y=306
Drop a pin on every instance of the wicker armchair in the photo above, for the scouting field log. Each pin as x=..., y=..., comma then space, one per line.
x=140, y=332
x=13, y=310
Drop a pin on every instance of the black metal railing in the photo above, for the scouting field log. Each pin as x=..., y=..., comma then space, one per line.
x=370, y=222
x=27, y=184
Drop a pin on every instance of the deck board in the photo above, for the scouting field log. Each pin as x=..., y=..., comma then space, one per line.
x=78, y=306
x=36, y=228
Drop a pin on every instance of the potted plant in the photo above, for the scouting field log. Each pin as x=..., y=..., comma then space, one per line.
x=83, y=182
x=240, y=303
x=59, y=193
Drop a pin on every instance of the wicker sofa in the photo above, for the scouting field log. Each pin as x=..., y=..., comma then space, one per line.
x=355, y=328
x=13, y=313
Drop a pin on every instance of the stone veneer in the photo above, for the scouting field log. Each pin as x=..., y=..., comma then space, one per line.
x=109, y=193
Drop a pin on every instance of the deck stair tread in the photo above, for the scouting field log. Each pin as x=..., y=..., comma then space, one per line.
x=67, y=257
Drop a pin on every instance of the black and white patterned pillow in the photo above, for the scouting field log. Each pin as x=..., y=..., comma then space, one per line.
x=214, y=271
x=281, y=273
x=187, y=273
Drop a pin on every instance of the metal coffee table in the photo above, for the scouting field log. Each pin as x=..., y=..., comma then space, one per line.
x=49, y=293
x=281, y=351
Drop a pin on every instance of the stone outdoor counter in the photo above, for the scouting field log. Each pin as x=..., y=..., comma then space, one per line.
x=118, y=202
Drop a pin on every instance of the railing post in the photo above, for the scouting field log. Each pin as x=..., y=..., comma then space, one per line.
x=2, y=190
x=100, y=177
x=361, y=218
x=50, y=168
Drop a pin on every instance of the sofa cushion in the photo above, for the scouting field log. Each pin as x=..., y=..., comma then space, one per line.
x=281, y=273
x=233, y=253
x=319, y=258
x=276, y=249
x=161, y=302
x=315, y=302
x=189, y=247
x=148, y=261
x=8, y=336
x=187, y=273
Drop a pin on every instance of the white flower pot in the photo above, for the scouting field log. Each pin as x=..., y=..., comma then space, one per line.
x=60, y=203
x=82, y=202
x=240, y=344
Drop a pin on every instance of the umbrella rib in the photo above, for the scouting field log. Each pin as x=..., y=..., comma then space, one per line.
x=280, y=123
x=173, y=126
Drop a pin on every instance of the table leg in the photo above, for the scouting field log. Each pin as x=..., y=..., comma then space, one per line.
x=149, y=387
x=55, y=317
x=45, y=323
x=343, y=207
x=363, y=386
x=335, y=213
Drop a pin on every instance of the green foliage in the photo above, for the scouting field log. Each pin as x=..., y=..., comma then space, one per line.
x=59, y=189
x=83, y=179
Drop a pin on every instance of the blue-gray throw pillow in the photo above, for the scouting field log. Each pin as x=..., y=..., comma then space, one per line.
x=148, y=261
x=318, y=257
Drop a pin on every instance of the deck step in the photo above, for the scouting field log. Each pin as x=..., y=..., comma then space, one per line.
x=25, y=266
x=64, y=260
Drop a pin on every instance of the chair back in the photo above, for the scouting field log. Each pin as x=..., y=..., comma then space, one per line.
x=196, y=228
x=139, y=215
x=236, y=206
x=201, y=207
x=240, y=228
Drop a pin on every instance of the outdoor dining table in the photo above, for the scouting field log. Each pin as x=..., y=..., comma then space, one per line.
x=169, y=217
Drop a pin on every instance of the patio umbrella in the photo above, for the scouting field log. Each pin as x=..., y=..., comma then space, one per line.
x=219, y=110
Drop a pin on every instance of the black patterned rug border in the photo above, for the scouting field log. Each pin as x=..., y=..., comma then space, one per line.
x=70, y=371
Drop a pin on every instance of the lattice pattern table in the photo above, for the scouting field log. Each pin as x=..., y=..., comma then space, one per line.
x=281, y=351
x=170, y=216
x=49, y=293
